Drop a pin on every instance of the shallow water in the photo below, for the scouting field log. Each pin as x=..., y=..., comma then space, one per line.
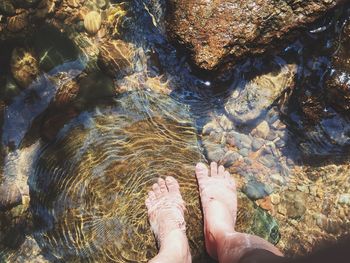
x=91, y=162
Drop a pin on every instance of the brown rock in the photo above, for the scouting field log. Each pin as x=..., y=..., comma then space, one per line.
x=17, y=23
x=217, y=32
x=116, y=57
x=10, y=196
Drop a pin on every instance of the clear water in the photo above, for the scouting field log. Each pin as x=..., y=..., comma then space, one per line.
x=83, y=169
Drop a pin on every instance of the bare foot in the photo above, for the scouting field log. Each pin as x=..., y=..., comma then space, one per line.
x=166, y=215
x=219, y=202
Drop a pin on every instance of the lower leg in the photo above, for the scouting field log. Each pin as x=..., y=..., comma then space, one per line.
x=175, y=248
x=219, y=201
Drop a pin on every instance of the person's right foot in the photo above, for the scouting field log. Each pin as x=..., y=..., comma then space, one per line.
x=219, y=201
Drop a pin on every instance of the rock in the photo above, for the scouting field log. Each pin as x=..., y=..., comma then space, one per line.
x=256, y=190
x=253, y=219
x=10, y=89
x=262, y=130
x=10, y=196
x=17, y=23
x=239, y=140
x=24, y=67
x=7, y=8
x=257, y=143
x=116, y=58
x=66, y=94
x=252, y=100
x=344, y=199
x=95, y=86
x=92, y=22
x=26, y=3
x=230, y=158
x=277, y=179
x=222, y=32
x=294, y=204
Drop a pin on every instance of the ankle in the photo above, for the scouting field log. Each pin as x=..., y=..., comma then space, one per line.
x=174, y=248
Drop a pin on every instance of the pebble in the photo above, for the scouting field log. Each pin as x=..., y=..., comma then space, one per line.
x=244, y=152
x=344, y=199
x=277, y=179
x=230, y=158
x=256, y=190
x=275, y=199
x=303, y=188
x=7, y=8
x=257, y=143
x=267, y=161
x=239, y=140
x=262, y=130
x=92, y=22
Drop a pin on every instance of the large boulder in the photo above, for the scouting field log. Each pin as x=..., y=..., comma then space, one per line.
x=221, y=32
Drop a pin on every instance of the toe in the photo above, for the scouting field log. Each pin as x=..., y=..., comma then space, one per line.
x=162, y=186
x=151, y=196
x=156, y=190
x=221, y=171
x=201, y=171
x=172, y=184
x=214, y=169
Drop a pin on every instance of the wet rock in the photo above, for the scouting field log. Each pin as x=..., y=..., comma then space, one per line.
x=24, y=67
x=7, y=8
x=253, y=219
x=256, y=190
x=257, y=143
x=95, y=86
x=293, y=204
x=239, y=140
x=262, y=130
x=253, y=99
x=92, y=22
x=344, y=199
x=116, y=58
x=10, y=89
x=66, y=94
x=10, y=196
x=18, y=22
x=26, y=3
x=218, y=32
x=230, y=158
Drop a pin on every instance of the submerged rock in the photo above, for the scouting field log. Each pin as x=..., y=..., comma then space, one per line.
x=220, y=32
x=10, y=195
x=24, y=67
x=116, y=57
x=92, y=22
x=251, y=100
x=89, y=185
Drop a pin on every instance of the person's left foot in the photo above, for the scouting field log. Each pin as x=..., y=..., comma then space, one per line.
x=166, y=208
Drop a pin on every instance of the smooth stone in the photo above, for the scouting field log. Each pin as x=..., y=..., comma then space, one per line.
x=257, y=143
x=92, y=22
x=344, y=199
x=256, y=190
x=239, y=140
x=244, y=152
x=277, y=179
x=255, y=97
x=10, y=196
x=230, y=158
x=262, y=130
